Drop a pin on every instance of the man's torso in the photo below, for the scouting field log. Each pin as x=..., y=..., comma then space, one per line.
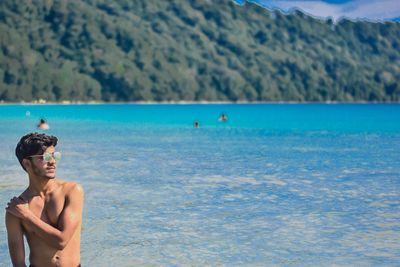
x=49, y=209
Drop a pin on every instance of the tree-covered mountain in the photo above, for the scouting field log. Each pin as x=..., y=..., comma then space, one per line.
x=194, y=50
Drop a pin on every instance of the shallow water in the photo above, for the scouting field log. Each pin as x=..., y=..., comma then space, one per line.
x=275, y=185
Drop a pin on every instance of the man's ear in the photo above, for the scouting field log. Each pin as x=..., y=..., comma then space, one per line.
x=27, y=164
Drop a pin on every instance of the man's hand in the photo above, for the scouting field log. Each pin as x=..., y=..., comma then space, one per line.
x=18, y=207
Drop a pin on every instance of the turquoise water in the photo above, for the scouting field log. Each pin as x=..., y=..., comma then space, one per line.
x=279, y=184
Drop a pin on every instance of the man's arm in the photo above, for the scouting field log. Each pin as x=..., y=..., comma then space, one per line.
x=70, y=218
x=15, y=240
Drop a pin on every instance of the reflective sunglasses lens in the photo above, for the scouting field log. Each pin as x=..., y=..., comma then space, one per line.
x=47, y=157
x=57, y=156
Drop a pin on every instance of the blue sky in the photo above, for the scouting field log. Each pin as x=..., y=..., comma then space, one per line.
x=354, y=9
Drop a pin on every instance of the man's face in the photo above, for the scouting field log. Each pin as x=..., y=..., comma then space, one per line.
x=42, y=168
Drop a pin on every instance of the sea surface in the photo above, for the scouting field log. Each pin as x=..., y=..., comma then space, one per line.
x=275, y=185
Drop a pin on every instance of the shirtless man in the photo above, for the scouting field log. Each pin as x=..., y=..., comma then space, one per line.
x=48, y=212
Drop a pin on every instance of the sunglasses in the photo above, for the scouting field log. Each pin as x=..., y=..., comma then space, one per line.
x=49, y=156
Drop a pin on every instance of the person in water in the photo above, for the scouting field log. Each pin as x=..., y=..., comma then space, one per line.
x=43, y=125
x=223, y=117
x=196, y=124
x=48, y=213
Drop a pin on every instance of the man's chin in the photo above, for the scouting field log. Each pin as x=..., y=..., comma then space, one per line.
x=51, y=176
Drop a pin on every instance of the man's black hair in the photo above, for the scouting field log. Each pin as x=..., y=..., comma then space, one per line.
x=33, y=144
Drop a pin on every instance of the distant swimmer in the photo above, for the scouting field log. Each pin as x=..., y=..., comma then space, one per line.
x=223, y=117
x=196, y=124
x=43, y=125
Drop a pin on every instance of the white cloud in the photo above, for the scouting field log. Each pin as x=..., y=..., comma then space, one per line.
x=355, y=9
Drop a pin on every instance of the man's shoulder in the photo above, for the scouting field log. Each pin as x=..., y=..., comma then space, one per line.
x=25, y=195
x=71, y=188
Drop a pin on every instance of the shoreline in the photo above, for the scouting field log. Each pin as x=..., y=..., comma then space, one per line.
x=44, y=103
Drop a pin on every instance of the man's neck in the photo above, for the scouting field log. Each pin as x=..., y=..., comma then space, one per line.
x=41, y=186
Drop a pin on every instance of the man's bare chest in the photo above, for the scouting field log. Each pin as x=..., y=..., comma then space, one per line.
x=47, y=209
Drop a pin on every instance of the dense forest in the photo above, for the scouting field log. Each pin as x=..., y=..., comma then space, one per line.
x=191, y=50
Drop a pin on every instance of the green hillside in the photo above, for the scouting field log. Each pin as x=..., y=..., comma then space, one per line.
x=193, y=50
